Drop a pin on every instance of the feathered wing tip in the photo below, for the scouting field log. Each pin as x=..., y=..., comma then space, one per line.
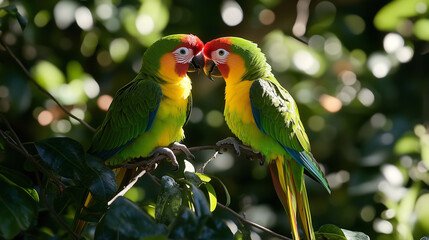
x=123, y=177
x=294, y=201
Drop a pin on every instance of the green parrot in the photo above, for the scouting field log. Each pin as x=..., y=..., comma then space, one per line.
x=264, y=116
x=148, y=113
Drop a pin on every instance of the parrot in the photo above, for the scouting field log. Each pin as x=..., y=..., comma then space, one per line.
x=264, y=116
x=148, y=114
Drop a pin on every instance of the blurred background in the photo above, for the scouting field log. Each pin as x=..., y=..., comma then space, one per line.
x=358, y=70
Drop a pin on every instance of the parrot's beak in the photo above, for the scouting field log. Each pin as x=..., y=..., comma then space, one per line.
x=211, y=70
x=197, y=63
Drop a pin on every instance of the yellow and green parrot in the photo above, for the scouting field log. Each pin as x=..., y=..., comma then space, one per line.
x=264, y=116
x=148, y=113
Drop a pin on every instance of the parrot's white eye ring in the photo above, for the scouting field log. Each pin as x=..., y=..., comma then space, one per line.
x=182, y=51
x=222, y=52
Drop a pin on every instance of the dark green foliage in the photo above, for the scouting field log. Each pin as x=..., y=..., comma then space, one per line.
x=66, y=157
x=18, y=204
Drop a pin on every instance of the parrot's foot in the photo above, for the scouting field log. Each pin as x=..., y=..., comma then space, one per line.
x=167, y=152
x=183, y=148
x=230, y=141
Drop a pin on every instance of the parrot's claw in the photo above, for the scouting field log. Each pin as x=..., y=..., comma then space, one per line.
x=183, y=148
x=230, y=141
x=167, y=152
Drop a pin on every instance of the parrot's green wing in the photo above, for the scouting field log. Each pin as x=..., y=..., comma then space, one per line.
x=276, y=114
x=131, y=113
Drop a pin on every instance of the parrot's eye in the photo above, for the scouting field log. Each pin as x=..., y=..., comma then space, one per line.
x=222, y=52
x=182, y=51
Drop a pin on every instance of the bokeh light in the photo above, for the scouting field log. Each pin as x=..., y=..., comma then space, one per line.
x=45, y=118
x=64, y=13
x=231, y=12
x=330, y=103
x=380, y=65
x=214, y=118
x=145, y=24
x=104, y=101
x=84, y=18
x=266, y=16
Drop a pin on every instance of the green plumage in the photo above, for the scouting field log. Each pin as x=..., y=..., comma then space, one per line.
x=261, y=113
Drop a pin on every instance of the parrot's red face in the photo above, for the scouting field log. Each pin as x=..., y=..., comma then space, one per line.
x=217, y=53
x=188, y=56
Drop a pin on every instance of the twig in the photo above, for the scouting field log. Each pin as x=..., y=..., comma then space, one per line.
x=51, y=210
x=16, y=144
x=128, y=187
x=143, y=162
x=207, y=162
x=41, y=88
x=243, y=220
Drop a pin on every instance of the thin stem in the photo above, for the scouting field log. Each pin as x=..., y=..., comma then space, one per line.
x=21, y=65
x=208, y=161
x=128, y=187
x=243, y=220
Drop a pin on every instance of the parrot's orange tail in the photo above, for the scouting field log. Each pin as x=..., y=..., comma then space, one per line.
x=123, y=177
x=293, y=200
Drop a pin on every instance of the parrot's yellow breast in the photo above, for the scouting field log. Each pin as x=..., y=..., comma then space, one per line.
x=239, y=117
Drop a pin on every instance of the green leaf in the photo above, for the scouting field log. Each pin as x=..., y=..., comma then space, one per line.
x=64, y=156
x=203, y=177
x=169, y=200
x=332, y=232
x=18, y=207
x=193, y=178
x=99, y=179
x=124, y=220
x=200, y=202
x=189, y=226
x=228, y=197
x=13, y=11
x=212, y=196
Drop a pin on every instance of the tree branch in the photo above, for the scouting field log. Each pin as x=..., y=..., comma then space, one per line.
x=21, y=65
x=145, y=162
x=243, y=220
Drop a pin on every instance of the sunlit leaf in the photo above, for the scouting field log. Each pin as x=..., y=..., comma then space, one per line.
x=18, y=207
x=124, y=220
x=212, y=196
x=332, y=232
x=228, y=197
x=203, y=177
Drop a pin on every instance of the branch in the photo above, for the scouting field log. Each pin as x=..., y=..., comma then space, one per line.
x=243, y=220
x=41, y=88
x=145, y=162
x=128, y=187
